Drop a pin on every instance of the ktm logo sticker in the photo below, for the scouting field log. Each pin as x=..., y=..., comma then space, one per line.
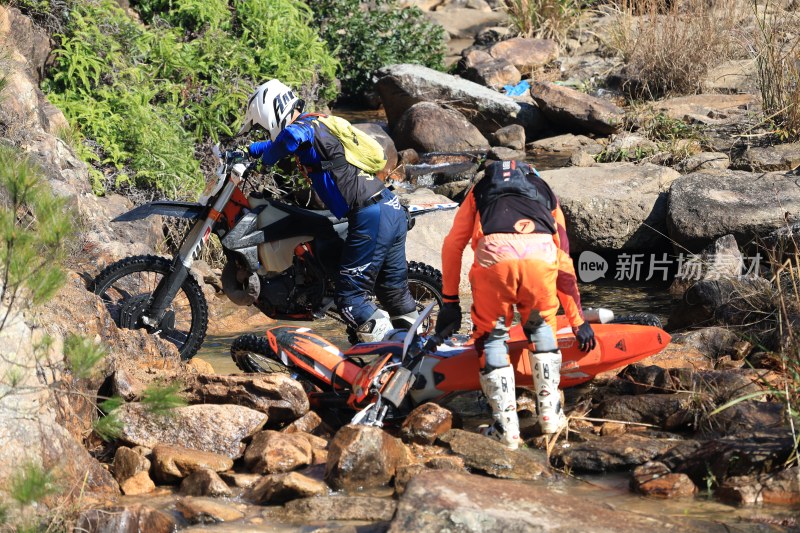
x=524, y=225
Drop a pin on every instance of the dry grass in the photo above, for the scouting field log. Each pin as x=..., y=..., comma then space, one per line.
x=776, y=50
x=669, y=46
x=544, y=19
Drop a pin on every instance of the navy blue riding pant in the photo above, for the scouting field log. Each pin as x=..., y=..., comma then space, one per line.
x=374, y=261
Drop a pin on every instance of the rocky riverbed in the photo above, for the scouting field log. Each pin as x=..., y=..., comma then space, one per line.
x=248, y=454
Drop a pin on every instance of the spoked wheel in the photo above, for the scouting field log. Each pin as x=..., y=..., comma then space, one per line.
x=425, y=284
x=126, y=288
x=253, y=354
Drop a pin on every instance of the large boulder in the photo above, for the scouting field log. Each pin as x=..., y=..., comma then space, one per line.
x=428, y=127
x=401, y=86
x=208, y=427
x=706, y=205
x=575, y=111
x=613, y=206
x=364, y=457
x=450, y=501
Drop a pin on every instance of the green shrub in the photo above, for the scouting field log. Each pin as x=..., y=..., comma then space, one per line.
x=32, y=483
x=145, y=97
x=367, y=37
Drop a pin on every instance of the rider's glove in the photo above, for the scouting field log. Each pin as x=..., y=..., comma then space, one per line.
x=585, y=335
x=449, y=317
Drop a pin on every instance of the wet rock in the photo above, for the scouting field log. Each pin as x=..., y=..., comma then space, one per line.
x=445, y=462
x=782, y=488
x=281, y=488
x=450, y=501
x=706, y=205
x=705, y=161
x=428, y=127
x=208, y=427
x=425, y=423
x=576, y=111
x=271, y=452
x=277, y=395
x=172, y=463
x=406, y=474
x=401, y=86
x=602, y=454
x=667, y=411
x=207, y=511
x=319, y=508
x=489, y=456
x=363, y=457
x=769, y=158
x=736, y=455
x=654, y=479
x=204, y=482
x=613, y=206
x=409, y=156
x=510, y=136
x=240, y=479
x=525, y=54
x=126, y=518
x=139, y=483
x=127, y=463
x=494, y=73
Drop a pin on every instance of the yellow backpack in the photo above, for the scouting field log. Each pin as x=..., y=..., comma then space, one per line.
x=360, y=149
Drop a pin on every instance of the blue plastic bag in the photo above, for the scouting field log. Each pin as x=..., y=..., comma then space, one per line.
x=518, y=89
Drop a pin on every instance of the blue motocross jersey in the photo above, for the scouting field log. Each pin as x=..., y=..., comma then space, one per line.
x=298, y=139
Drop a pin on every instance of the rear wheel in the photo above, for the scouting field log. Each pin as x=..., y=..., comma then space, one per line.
x=253, y=354
x=127, y=286
x=425, y=285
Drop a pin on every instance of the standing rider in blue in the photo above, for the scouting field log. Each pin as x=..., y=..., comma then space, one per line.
x=373, y=257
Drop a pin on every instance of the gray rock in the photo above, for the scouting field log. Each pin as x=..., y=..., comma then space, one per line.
x=427, y=127
x=613, y=206
x=576, y=111
x=276, y=395
x=401, y=86
x=567, y=142
x=769, y=158
x=208, y=427
x=706, y=205
x=510, y=137
x=486, y=455
x=705, y=161
x=668, y=411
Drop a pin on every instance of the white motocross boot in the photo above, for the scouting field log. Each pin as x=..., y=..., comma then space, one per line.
x=546, y=368
x=375, y=328
x=498, y=386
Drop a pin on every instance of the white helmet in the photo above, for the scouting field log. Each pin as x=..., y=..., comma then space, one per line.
x=271, y=106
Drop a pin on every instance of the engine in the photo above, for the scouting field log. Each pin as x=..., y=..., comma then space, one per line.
x=297, y=292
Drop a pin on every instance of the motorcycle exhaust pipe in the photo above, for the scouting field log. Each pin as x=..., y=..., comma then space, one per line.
x=240, y=294
x=400, y=383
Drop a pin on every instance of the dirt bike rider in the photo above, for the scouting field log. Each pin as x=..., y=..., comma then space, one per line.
x=373, y=256
x=522, y=258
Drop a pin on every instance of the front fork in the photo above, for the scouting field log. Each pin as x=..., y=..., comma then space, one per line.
x=169, y=285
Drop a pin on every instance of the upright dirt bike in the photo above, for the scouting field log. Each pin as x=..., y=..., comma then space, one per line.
x=279, y=257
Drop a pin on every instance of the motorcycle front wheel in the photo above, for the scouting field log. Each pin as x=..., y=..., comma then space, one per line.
x=127, y=286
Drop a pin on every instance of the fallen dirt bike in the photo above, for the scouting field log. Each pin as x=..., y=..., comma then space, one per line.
x=380, y=381
x=279, y=257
